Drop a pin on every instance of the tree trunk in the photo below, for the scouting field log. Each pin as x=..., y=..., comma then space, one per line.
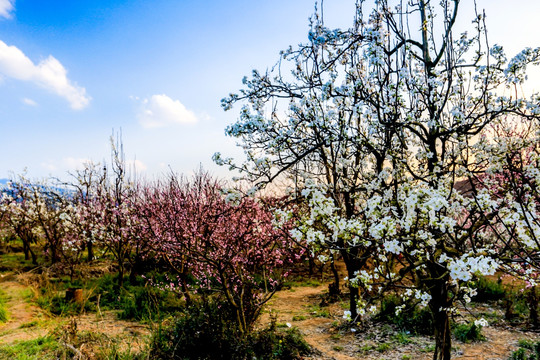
x=533, y=307
x=443, y=339
x=333, y=288
x=90, y=250
x=439, y=304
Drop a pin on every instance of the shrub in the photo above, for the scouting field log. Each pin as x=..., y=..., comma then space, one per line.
x=414, y=319
x=468, y=332
x=489, y=290
x=528, y=350
x=136, y=300
x=208, y=330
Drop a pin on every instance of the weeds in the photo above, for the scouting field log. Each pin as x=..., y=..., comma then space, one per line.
x=468, y=332
x=528, y=350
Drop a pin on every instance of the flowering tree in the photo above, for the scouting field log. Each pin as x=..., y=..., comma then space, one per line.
x=112, y=210
x=16, y=210
x=228, y=246
x=511, y=154
x=86, y=185
x=379, y=123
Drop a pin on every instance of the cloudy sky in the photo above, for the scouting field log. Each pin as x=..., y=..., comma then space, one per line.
x=71, y=72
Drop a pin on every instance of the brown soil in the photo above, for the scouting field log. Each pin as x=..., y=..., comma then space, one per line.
x=88, y=334
x=301, y=306
x=323, y=328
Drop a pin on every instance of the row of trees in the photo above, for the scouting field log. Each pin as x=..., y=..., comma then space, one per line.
x=417, y=157
x=207, y=242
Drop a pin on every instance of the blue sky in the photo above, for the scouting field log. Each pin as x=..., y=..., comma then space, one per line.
x=72, y=71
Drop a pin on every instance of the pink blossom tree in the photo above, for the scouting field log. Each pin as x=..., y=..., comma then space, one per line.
x=228, y=245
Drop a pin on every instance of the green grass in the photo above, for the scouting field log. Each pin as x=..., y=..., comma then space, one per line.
x=3, y=311
x=318, y=311
x=301, y=282
x=42, y=348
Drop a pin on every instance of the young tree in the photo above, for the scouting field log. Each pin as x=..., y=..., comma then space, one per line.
x=379, y=122
x=16, y=207
x=226, y=245
x=112, y=210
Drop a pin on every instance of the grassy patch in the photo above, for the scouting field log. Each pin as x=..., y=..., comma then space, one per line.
x=302, y=282
x=528, y=350
x=318, y=311
x=488, y=290
x=42, y=348
x=3, y=310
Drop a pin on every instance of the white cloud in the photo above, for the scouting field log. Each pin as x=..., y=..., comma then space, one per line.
x=6, y=7
x=75, y=163
x=48, y=166
x=161, y=111
x=29, y=102
x=49, y=74
x=136, y=165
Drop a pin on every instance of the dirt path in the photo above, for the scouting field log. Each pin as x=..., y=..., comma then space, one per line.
x=89, y=333
x=25, y=320
x=300, y=307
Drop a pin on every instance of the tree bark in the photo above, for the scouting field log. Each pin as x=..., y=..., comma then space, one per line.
x=443, y=339
x=439, y=309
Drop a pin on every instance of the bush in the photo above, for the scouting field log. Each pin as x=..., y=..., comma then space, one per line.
x=136, y=300
x=489, y=290
x=413, y=319
x=528, y=351
x=468, y=332
x=208, y=330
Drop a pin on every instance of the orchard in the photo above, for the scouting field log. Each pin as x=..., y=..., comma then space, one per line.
x=398, y=149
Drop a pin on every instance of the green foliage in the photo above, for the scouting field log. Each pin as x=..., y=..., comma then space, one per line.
x=207, y=330
x=3, y=311
x=528, y=350
x=526, y=344
x=402, y=337
x=488, y=290
x=468, y=332
x=41, y=348
x=137, y=300
x=412, y=319
x=319, y=311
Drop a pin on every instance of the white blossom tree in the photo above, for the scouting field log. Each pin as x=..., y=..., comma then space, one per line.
x=379, y=123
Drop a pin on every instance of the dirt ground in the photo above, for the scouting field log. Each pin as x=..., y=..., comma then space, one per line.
x=88, y=333
x=299, y=306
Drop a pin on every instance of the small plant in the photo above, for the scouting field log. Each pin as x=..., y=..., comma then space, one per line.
x=468, y=332
x=364, y=349
x=414, y=319
x=383, y=347
x=528, y=350
x=406, y=357
x=526, y=344
x=402, y=337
